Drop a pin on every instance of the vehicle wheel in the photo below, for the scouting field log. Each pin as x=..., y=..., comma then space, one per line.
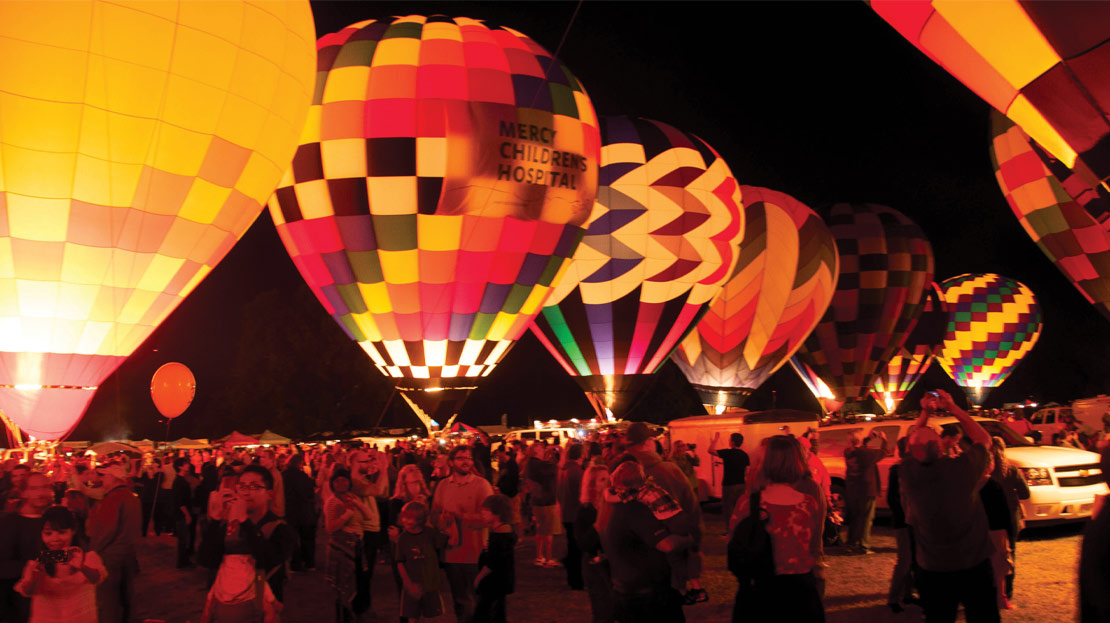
x=835, y=518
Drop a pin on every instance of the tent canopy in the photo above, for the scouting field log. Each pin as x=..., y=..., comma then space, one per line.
x=239, y=439
x=274, y=439
x=187, y=444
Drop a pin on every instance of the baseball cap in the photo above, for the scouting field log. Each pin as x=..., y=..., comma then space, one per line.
x=638, y=433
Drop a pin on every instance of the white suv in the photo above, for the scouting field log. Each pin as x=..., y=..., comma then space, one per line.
x=1063, y=482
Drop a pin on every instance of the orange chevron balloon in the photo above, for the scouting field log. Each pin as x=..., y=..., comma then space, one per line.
x=784, y=280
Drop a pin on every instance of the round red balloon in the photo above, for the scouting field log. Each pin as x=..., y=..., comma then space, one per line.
x=172, y=389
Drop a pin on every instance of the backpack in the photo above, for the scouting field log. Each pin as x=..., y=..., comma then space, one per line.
x=750, y=552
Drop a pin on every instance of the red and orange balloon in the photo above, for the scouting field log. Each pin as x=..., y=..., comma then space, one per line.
x=783, y=282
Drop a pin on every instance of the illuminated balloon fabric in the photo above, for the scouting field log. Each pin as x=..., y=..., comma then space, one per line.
x=993, y=322
x=783, y=282
x=661, y=242
x=886, y=263
x=898, y=377
x=138, y=142
x=172, y=389
x=1045, y=65
x=439, y=187
x=1059, y=210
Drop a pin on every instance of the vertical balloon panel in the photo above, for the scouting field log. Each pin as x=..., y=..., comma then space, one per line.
x=886, y=263
x=898, y=377
x=659, y=245
x=783, y=281
x=138, y=142
x=993, y=323
x=1045, y=65
x=439, y=189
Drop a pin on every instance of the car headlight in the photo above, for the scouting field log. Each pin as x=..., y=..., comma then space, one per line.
x=1037, y=476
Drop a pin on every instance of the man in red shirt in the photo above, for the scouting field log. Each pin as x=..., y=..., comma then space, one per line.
x=458, y=500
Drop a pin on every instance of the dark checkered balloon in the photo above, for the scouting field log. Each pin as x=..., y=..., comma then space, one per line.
x=885, y=265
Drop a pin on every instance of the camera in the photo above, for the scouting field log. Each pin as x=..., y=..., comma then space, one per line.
x=56, y=556
x=691, y=446
x=934, y=394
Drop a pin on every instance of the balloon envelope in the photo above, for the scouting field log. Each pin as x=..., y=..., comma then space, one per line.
x=438, y=190
x=782, y=284
x=886, y=263
x=1045, y=65
x=898, y=376
x=1060, y=210
x=172, y=388
x=660, y=243
x=139, y=142
x=993, y=323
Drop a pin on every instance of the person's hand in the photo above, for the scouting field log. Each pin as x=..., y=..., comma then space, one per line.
x=945, y=400
x=717, y=436
x=413, y=589
x=76, y=558
x=237, y=510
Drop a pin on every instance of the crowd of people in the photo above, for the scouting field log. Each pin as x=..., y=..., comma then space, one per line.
x=445, y=522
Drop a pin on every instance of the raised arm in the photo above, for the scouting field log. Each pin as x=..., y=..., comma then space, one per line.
x=713, y=444
x=974, y=431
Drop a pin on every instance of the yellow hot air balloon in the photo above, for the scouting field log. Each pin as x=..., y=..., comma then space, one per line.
x=993, y=322
x=138, y=141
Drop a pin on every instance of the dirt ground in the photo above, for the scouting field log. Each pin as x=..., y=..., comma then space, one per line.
x=1045, y=590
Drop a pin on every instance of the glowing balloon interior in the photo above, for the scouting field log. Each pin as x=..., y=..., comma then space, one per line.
x=172, y=389
x=886, y=263
x=782, y=284
x=660, y=243
x=993, y=323
x=139, y=141
x=1045, y=65
x=1059, y=210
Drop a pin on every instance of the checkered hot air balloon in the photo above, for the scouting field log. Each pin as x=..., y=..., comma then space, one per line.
x=660, y=243
x=993, y=323
x=898, y=376
x=1060, y=210
x=440, y=186
x=783, y=282
x=1045, y=65
x=139, y=141
x=886, y=264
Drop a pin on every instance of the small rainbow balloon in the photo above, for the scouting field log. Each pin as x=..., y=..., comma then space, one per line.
x=993, y=323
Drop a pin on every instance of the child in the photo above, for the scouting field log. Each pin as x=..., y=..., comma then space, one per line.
x=419, y=548
x=61, y=581
x=496, y=577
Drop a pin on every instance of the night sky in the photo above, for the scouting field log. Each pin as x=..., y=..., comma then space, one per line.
x=823, y=101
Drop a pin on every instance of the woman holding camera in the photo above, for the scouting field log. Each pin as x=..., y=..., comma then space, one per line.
x=61, y=581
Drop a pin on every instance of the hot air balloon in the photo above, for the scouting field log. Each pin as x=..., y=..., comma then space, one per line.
x=438, y=190
x=783, y=282
x=660, y=243
x=1045, y=65
x=993, y=323
x=886, y=263
x=901, y=373
x=1059, y=210
x=139, y=141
